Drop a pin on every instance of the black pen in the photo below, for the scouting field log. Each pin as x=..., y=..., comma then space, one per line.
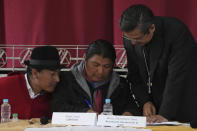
x=90, y=106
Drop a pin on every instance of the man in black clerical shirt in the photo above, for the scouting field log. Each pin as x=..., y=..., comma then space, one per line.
x=162, y=64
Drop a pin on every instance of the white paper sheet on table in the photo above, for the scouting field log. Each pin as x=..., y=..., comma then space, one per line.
x=169, y=123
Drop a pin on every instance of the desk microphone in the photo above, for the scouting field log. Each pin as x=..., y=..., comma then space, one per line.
x=193, y=123
x=44, y=120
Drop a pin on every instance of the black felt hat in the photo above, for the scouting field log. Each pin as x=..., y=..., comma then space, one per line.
x=44, y=57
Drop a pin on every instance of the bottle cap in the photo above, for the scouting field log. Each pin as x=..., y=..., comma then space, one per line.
x=5, y=100
x=107, y=100
x=14, y=115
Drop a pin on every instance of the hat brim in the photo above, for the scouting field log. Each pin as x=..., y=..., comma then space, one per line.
x=55, y=67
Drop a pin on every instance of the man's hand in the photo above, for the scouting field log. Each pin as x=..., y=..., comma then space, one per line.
x=127, y=114
x=156, y=118
x=149, y=109
x=91, y=111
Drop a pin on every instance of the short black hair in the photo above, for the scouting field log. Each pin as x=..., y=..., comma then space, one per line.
x=102, y=48
x=136, y=16
x=29, y=70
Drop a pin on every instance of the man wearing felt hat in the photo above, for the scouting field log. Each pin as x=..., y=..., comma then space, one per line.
x=29, y=93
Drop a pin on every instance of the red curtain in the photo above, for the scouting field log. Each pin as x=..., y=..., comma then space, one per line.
x=78, y=21
x=2, y=29
x=56, y=21
x=185, y=10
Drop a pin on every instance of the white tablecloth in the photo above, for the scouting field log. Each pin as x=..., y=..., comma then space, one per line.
x=85, y=128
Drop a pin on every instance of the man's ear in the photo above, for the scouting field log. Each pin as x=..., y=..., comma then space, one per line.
x=84, y=57
x=35, y=74
x=85, y=62
x=152, y=28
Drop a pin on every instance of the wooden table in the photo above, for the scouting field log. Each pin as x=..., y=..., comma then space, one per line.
x=22, y=124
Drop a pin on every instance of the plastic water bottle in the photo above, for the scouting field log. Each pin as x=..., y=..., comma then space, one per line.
x=5, y=111
x=107, y=107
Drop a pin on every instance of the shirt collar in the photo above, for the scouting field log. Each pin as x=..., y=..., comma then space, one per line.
x=31, y=92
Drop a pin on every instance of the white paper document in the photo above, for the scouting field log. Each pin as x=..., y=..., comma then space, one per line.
x=67, y=118
x=169, y=123
x=115, y=120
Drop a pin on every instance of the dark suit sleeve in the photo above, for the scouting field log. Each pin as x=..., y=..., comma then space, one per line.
x=122, y=101
x=131, y=103
x=179, y=67
x=65, y=98
x=138, y=86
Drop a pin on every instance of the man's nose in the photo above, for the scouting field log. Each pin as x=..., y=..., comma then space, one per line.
x=56, y=77
x=100, y=70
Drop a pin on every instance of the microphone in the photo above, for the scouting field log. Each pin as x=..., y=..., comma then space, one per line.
x=44, y=120
x=193, y=123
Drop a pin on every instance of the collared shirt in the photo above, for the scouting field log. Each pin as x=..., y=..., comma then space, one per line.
x=31, y=92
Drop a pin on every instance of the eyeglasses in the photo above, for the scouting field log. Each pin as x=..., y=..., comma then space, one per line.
x=135, y=39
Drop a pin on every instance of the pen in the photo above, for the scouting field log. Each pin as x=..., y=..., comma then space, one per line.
x=90, y=106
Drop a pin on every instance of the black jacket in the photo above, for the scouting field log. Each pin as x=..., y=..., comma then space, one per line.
x=69, y=96
x=172, y=62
